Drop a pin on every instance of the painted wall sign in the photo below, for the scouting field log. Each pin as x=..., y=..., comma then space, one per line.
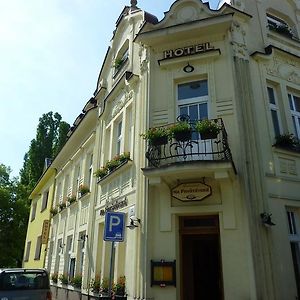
x=189, y=50
x=114, y=205
x=196, y=191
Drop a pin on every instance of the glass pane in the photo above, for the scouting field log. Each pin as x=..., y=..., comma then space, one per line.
x=275, y=122
x=297, y=103
x=294, y=123
x=296, y=262
x=183, y=110
x=291, y=102
x=193, y=112
x=29, y=280
x=203, y=111
x=192, y=90
x=271, y=95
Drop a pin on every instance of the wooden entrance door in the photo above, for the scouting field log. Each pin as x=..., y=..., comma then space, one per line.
x=201, y=274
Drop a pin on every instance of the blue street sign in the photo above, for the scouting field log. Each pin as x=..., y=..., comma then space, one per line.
x=114, y=226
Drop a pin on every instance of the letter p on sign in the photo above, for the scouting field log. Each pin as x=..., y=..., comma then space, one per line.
x=114, y=226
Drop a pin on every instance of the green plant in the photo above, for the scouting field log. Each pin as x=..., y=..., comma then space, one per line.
x=71, y=199
x=54, y=277
x=62, y=205
x=287, y=140
x=124, y=157
x=118, y=63
x=112, y=164
x=181, y=126
x=63, y=278
x=100, y=173
x=156, y=135
x=76, y=281
x=104, y=285
x=119, y=288
x=83, y=189
x=95, y=284
x=181, y=131
x=53, y=211
x=208, y=127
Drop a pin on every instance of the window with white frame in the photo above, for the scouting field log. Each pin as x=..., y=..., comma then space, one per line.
x=59, y=193
x=90, y=171
x=192, y=99
x=294, y=237
x=279, y=25
x=38, y=248
x=294, y=101
x=81, y=251
x=26, y=258
x=45, y=200
x=274, y=110
x=33, y=211
x=78, y=178
x=67, y=187
x=119, y=137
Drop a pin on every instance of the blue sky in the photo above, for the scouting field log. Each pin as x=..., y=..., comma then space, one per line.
x=51, y=52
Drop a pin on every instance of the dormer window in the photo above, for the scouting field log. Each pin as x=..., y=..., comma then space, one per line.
x=121, y=58
x=278, y=25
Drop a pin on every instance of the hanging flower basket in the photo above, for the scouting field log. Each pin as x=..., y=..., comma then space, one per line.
x=181, y=131
x=156, y=136
x=208, y=129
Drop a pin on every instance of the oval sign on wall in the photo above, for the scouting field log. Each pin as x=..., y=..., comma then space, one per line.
x=195, y=191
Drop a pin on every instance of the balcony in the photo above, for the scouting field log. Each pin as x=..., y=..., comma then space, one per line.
x=192, y=148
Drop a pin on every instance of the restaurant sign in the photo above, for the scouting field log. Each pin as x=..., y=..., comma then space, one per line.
x=196, y=191
x=189, y=50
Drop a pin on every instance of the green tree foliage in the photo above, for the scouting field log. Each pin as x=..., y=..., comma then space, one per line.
x=14, y=210
x=51, y=135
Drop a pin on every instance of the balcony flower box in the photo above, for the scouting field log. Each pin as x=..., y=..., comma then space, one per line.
x=208, y=129
x=181, y=131
x=156, y=136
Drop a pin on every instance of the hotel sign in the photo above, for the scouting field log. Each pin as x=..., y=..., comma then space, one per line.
x=45, y=231
x=191, y=191
x=189, y=50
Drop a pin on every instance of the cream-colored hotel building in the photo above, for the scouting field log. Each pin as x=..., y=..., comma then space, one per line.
x=206, y=217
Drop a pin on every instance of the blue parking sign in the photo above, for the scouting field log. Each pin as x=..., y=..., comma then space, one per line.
x=114, y=226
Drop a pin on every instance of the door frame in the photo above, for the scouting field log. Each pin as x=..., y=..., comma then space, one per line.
x=214, y=229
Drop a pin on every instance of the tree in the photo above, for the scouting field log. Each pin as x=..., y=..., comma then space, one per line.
x=14, y=210
x=51, y=135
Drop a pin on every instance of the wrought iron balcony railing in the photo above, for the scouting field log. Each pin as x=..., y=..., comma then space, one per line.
x=194, y=147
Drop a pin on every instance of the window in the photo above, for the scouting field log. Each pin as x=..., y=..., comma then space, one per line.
x=294, y=102
x=279, y=25
x=90, y=174
x=45, y=200
x=26, y=258
x=274, y=110
x=293, y=228
x=119, y=137
x=33, y=211
x=68, y=255
x=193, y=100
x=38, y=248
x=78, y=178
x=59, y=194
x=81, y=251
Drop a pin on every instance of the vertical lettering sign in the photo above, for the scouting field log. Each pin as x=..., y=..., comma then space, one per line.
x=45, y=231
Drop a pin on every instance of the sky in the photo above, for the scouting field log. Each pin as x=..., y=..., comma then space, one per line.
x=51, y=52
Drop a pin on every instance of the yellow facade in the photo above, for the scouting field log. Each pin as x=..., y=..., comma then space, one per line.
x=213, y=218
x=41, y=202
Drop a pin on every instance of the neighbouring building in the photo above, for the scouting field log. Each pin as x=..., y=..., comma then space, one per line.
x=208, y=216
